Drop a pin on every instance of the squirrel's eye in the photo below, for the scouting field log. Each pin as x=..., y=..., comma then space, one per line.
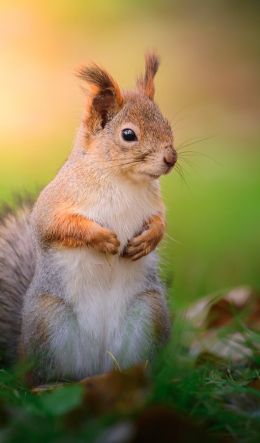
x=129, y=135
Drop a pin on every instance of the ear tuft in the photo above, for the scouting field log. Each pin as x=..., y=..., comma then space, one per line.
x=145, y=83
x=96, y=76
x=105, y=98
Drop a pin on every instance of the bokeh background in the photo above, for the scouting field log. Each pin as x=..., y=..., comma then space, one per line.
x=208, y=87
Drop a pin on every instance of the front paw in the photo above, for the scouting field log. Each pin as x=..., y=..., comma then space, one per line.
x=105, y=241
x=141, y=245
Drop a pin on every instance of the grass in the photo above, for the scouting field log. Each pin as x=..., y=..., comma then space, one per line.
x=207, y=400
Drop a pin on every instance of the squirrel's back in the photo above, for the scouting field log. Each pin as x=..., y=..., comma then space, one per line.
x=17, y=263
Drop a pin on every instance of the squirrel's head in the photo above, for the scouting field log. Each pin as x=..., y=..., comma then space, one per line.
x=125, y=131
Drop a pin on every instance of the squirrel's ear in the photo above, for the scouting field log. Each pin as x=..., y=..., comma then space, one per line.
x=104, y=96
x=145, y=83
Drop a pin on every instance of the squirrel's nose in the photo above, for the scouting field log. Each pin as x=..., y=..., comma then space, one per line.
x=170, y=156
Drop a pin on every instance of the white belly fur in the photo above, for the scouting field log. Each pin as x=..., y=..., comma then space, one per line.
x=101, y=289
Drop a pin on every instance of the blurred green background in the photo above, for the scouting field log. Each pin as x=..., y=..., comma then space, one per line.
x=207, y=86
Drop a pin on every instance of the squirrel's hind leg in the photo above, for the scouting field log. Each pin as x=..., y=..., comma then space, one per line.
x=146, y=328
x=45, y=326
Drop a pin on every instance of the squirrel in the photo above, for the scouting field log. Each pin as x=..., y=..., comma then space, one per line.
x=79, y=284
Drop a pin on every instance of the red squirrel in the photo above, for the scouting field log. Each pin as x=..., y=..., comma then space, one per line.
x=79, y=284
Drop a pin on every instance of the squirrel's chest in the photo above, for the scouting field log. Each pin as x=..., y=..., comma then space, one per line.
x=122, y=209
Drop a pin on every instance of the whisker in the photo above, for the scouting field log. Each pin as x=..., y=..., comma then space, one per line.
x=187, y=161
x=173, y=239
x=114, y=163
x=180, y=172
x=119, y=165
x=182, y=154
x=182, y=110
x=191, y=142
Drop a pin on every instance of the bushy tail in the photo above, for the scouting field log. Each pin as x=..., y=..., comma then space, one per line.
x=17, y=263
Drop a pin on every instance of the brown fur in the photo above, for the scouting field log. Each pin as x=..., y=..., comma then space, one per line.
x=51, y=304
x=145, y=84
x=161, y=323
x=46, y=303
x=74, y=230
x=105, y=98
x=147, y=241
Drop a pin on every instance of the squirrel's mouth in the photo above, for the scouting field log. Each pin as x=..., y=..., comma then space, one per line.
x=154, y=176
x=168, y=169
